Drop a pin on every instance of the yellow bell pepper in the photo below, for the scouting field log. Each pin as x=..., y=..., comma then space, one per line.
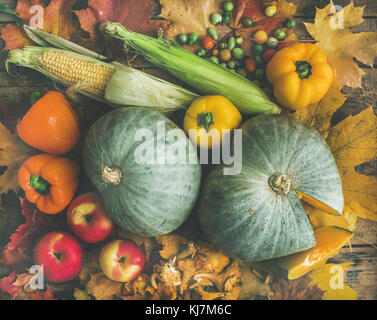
x=206, y=119
x=300, y=75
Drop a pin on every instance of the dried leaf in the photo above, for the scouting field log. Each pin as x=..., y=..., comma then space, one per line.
x=57, y=19
x=102, y=288
x=322, y=277
x=134, y=14
x=298, y=289
x=333, y=32
x=79, y=294
x=187, y=16
x=318, y=115
x=353, y=141
x=6, y=285
x=14, y=37
x=13, y=153
x=171, y=245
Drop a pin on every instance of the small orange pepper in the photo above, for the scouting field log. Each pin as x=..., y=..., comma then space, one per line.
x=50, y=182
x=50, y=125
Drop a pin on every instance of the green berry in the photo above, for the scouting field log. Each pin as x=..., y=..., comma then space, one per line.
x=289, y=23
x=272, y=42
x=257, y=49
x=231, y=43
x=238, y=54
x=216, y=18
x=226, y=17
x=212, y=33
x=214, y=59
x=223, y=45
x=228, y=6
x=280, y=34
x=192, y=38
x=223, y=64
x=182, y=38
x=259, y=62
x=231, y=64
x=247, y=22
x=239, y=40
x=201, y=52
x=259, y=74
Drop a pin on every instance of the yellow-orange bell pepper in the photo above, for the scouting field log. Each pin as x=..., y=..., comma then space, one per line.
x=300, y=75
x=50, y=182
x=209, y=118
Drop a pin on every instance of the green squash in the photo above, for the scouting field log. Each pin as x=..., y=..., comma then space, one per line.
x=257, y=214
x=124, y=158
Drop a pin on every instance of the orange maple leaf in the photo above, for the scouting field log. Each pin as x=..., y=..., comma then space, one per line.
x=58, y=19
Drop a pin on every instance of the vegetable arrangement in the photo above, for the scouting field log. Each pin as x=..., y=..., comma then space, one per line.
x=143, y=184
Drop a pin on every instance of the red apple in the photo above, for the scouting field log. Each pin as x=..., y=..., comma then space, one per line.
x=121, y=260
x=60, y=255
x=87, y=218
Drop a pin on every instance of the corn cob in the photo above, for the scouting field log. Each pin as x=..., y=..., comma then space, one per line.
x=73, y=70
x=113, y=83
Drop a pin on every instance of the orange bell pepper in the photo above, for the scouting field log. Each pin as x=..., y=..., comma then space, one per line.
x=300, y=75
x=50, y=125
x=49, y=181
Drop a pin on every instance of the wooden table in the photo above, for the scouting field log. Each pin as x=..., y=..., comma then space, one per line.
x=362, y=274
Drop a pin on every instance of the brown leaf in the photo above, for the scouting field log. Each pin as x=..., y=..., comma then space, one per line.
x=13, y=153
x=102, y=288
x=134, y=14
x=187, y=16
x=295, y=289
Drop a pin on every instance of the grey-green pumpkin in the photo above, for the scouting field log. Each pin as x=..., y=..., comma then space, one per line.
x=145, y=168
x=257, y=214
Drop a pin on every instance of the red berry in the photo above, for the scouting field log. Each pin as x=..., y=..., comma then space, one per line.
x=268, y=54
x=208, y=43
x=250, y=65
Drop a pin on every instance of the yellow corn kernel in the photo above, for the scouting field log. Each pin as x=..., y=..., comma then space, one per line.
x=74, y=71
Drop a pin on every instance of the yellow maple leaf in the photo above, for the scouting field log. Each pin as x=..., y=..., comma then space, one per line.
x=102, y=288
x=329, y=278
x=353, y=141
x=332, y=31
x=13, y=153
x=318, y=115
x=186, y=16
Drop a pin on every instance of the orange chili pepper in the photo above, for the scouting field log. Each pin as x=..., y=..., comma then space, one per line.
x=50, y=125
x=49, y=181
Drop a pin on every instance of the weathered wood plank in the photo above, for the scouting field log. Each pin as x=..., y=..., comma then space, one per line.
x=361, y=275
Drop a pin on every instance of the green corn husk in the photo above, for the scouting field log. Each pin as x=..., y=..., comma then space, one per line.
x=198, y=73
x=126, y=87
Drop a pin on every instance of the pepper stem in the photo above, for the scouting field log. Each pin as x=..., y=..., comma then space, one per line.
x=205, y=120
x=303, y=69
x=280, y=183
x=39, y=184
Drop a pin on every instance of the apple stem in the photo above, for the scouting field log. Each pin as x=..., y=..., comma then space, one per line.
x=122, y=260
x=58, y=255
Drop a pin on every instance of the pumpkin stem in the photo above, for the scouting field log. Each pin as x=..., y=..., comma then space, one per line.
x=280, y=183
x=112, y=175
x=303, y=69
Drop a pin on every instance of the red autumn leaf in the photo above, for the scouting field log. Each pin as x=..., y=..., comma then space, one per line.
x=14, y=37
x=36, y=225
x=253, y=9
x=42, y=295
x=6, y=285
x=134, y=14
x=58, y=19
